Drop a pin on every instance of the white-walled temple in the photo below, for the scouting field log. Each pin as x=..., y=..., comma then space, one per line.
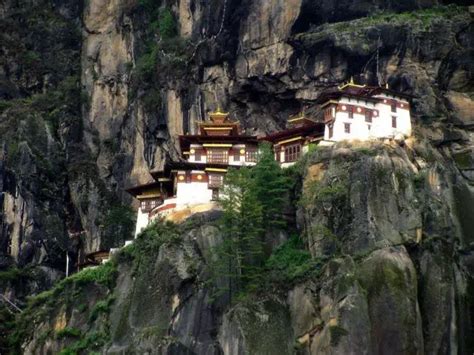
x=193, y=184
x=290, y=144
x=351, y=112
x=365, y=112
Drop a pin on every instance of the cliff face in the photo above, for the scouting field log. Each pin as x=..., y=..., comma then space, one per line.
x=387, y=253
x=93, y=95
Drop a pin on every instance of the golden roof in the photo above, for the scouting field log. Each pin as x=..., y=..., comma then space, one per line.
x=350, y=83
x=218, y=115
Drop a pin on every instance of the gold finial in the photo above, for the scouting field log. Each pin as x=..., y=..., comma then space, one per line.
x=352, y=80
x=386, y=85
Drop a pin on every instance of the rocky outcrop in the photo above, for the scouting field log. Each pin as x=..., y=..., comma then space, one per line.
x=372, y=289
x=93, y=96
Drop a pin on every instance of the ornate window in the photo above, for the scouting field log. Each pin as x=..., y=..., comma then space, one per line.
x=149, y=204
x=292, y=152
x=216, y=180
x=219, y=156
x=251, y=155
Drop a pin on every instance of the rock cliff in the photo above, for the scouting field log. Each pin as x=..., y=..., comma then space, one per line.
x=387, y=252
x=93, y=95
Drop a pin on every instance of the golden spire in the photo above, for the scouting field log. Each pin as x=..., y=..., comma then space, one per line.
x=218, y=116
x=352, y=80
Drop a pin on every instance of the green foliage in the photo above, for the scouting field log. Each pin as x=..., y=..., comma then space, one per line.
x=7, y=325
x=152, y=100
x=253, y=202
x=289, y=263
x=91, y=341
x=14, y=274
x=240, y=257
x=101, y=307
x=103, y=275
x=119, y=224
x=68, y=333
x=164, y=56
x=147, y=245
x=463, y=159
x=147, y=64
x=324, y=192
x=425, y=18
x=271, y=187
x=366, y=151
x=167, y=27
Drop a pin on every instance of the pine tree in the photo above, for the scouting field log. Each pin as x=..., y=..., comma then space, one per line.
x=239, y=259
x=253, y=203
x=271, y=187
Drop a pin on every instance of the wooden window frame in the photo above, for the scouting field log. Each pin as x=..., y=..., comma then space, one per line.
x=368, y=116
x=292, y=152
x=251, y=155
x=347, y=128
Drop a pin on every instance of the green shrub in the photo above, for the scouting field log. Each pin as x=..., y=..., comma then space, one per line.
x=15, y=274
x=167, y=24
x=93, y=340
x=68, y=333
x=101, y=307
x=118, y=224
x=103, y=274
x=290, y=262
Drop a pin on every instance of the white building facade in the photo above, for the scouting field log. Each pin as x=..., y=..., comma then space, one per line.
x=362, y=113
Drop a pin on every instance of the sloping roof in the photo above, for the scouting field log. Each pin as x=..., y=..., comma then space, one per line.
x=315, y=128
x=138, y=189
x=359, y=92
x=186, y=140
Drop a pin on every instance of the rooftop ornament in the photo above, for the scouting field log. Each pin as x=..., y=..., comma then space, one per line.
x=351, y=84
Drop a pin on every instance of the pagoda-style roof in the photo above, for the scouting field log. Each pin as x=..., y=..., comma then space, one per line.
x=151, y=189
x=299, y=120
x=360, y=92
x=309, y=129
x=219, y=125
x=186, y=165
x=186, y=140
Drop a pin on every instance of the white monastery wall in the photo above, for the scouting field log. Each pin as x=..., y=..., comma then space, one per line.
x=142, y=221
x=192, y=193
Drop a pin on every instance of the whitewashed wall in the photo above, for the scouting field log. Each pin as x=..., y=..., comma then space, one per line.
x=142, y=221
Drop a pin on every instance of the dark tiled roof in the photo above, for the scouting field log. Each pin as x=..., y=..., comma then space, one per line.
x=317, y=127
x=358, y=92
